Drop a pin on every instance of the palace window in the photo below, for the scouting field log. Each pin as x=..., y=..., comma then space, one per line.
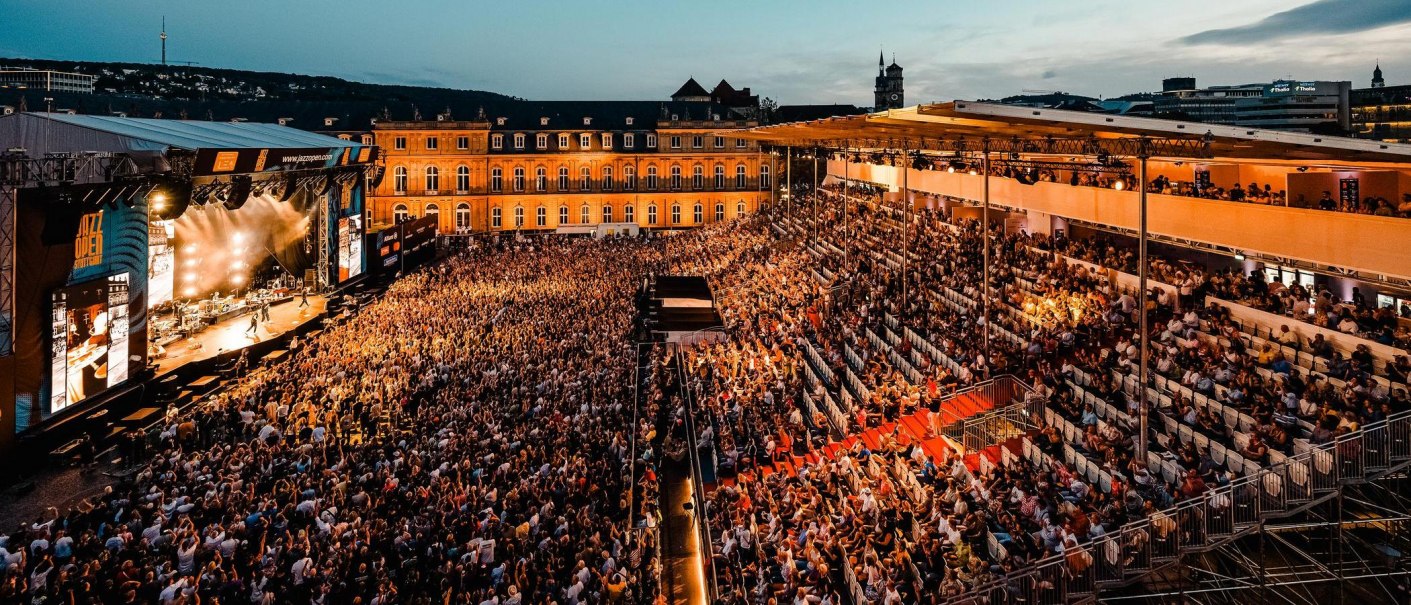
x=697, y=177
x=541, y=216
x=627, y=213
x=607, y=178
x=652, y=214
x=518, y=217
x=628, y=140
x=585, y=178
x=607, y=141
x=720, y=142
x=675, y=177
x=764, y=176
x=652, y=178
x=519, y=178
x=629, y=178
x=433, y=179
x=399, y=179
x=675, y=142
x=462, y=217
x=630, y=120
x=607, y=214
x=697, y=142
x=434, y=212
x=497, y=141
x=563, y=215
x=462, y=179
x=676, y=214
x=563, y=142
x=563, y=178
x=431, y=143
x=583, y=214
x=519, y=140
x=739, y=209
x=399, y=143
x=399, y=213
x=585, y=141
x=541, y=179
x=651, y=141
x=719, y=212
x=720, y=176
x=462, y=143
x=497, y=177
x=495, y=218
x=541, y=141
x=740, y=176
x=740, y=143
x=698, y=214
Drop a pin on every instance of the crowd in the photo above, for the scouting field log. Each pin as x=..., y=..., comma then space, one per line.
x=477, y=436
x=467, y=438
x=1061, y=327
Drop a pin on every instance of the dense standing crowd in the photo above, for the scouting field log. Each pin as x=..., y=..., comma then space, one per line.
x=466, y=438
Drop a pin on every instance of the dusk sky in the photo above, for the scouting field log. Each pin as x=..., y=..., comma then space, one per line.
x=794, y=51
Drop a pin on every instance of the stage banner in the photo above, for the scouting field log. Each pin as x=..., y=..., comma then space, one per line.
x=82, y=274
x=215, y=162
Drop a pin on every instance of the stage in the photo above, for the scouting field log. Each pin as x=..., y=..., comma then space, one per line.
x=232, y=334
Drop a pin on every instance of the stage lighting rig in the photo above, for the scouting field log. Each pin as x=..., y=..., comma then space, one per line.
x=238, y=192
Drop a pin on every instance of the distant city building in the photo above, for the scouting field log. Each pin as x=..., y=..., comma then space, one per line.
x=1280, y=105
x=1382, y=112
x=888, y=93
x=47, y=80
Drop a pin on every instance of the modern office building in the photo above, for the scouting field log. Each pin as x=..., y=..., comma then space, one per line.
x=46, y=80
x=1281, y=105
x=1382, y=112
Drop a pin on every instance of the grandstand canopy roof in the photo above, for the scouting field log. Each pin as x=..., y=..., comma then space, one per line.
x=944, y=126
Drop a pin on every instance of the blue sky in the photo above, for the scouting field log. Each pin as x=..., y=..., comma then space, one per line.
x=796, y=51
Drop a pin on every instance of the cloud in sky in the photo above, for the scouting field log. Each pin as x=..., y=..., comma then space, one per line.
x=1320, y=17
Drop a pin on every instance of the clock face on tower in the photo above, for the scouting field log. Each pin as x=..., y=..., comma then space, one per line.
x=894, y=96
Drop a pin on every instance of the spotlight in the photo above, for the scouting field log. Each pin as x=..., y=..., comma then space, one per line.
x=239, y=192
x=1239, y=256
x=189, y=277
x=1303, y=169
x=290, y=185
x=159, y=201
x=190, y=249
x=1119, y=185
x=238, y=279
x=239, y=237
x=951, y=168
x=188, y=292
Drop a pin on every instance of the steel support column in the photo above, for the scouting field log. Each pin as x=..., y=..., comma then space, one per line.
x=1141, y=312
x=789, y=177
x=905, y=239
x=985, y=245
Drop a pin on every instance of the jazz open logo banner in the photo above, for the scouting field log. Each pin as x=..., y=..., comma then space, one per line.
x=88, y=244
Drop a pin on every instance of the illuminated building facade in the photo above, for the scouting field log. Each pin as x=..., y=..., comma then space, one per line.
x=571, y=165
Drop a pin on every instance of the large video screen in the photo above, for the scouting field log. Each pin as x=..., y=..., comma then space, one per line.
x=90, y=332
x=350, y=248
x=161, y=263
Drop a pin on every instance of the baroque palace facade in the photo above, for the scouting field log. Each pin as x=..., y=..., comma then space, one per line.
x=546, y=165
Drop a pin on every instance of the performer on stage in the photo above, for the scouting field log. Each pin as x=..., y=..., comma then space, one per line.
x=304, y=293
x=254, y=328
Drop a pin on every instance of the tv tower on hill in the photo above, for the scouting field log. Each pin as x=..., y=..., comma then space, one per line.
x=164, y=40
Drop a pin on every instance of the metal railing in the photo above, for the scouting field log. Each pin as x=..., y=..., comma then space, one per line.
x=1215, y=518
x=701, y=519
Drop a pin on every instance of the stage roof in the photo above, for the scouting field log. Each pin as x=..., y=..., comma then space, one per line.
x=1033, y=130
x=220, y=147
x=193, y=135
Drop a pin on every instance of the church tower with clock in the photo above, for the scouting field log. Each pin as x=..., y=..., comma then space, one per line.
x=888, y=93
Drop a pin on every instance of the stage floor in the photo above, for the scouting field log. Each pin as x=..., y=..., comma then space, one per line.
x=232, y=334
